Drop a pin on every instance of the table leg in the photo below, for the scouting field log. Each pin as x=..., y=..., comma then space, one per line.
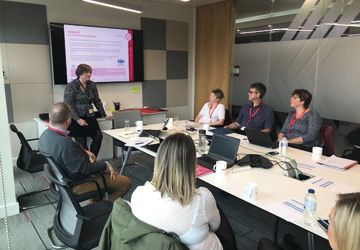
x=310, y=241
x=276, y=229
x=128, y=153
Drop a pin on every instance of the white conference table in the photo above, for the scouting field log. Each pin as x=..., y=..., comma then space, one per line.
x=273, y=187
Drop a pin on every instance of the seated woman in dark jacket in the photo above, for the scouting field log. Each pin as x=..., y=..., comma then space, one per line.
x=302, y=126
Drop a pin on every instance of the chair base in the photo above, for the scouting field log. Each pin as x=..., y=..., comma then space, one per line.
x=22, y=208
x=53, y=244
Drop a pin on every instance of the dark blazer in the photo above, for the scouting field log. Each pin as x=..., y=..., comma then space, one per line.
x=69, y=155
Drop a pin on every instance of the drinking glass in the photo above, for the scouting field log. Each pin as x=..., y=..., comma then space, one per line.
x=176, y=120
x=127, y=124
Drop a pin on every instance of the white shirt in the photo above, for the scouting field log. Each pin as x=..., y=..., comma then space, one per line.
x=194, y=224
x=219, y=113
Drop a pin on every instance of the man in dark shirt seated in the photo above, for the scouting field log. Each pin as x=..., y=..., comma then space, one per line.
x=76, y=161
x=255, y=115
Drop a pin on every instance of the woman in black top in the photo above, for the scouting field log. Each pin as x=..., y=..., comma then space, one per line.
x=80, y=94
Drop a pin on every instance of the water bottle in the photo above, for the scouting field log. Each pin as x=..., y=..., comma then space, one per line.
x=201, y=132
x=283, y=145
x=310, y=202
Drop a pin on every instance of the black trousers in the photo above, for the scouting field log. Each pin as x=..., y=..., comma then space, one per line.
x=225, y=233
x=95, y=144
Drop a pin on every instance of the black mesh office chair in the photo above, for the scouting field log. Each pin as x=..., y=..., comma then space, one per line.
x=30, y=161
x=75, y=226
x=66, y=180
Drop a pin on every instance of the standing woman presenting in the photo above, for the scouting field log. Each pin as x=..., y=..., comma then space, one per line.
x=80, y=94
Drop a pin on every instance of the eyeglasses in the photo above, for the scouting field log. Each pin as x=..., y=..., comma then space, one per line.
x=252, y=92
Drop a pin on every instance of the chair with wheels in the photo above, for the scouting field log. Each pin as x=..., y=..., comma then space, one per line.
x=30, y=161
x=64, y=177
x=75, y=226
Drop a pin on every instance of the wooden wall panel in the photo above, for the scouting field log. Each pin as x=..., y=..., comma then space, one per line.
x=214, y=41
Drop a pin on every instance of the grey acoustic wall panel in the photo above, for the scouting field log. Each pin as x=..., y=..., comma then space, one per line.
x=177, y=64
x=154, y=32
x=25, y=23
x=154, y=93
x=176, y=93
x=9, y=103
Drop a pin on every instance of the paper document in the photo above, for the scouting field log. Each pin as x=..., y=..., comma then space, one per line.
x=332, y=186
x=289, y=210
x=337, y=163
x=126, y=134
x=139, y=141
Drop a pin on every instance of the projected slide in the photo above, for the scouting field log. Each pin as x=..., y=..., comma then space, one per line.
x=108, y=51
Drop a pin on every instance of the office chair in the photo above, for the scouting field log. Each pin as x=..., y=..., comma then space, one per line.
x=327, y=139
x=227, y=120
x=30, y=161
x=119, y=122
x=75, y=226
x=66, y=180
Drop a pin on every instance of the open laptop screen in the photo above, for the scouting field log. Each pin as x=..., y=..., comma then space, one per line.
x=224, y=148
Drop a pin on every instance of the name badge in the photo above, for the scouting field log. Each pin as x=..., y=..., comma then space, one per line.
x=91, y=111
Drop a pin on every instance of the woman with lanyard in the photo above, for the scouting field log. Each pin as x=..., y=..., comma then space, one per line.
x=212, y=112
x=80, y=94
x=302, y=126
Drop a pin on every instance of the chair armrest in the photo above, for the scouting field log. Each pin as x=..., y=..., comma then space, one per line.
x=34, y=139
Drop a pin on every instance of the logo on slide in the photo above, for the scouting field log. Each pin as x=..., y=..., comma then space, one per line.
x=128, y=36
x=121, y=62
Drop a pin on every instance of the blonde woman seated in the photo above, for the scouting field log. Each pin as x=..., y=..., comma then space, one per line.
x=344, y=223
x=213, y=112
x=344, y=226
x=171, y=202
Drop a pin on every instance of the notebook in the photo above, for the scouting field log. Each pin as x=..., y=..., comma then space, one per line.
x=260, y=138
x=222, y=148
x=337, y=163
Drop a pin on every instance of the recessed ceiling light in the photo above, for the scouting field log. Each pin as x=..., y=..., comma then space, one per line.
x=185, y=0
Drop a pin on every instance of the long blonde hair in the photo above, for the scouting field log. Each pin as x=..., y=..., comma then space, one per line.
x=175, y=168
x=347, y=222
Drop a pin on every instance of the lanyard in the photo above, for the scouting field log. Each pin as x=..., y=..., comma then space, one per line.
x=62, y=133
x=294, y=119
x=210, y=114
x=86, y=92
x=251, y=116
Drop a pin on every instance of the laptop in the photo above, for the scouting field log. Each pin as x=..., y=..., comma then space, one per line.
x=154, y=133
x=260, y=138
x=222, y=148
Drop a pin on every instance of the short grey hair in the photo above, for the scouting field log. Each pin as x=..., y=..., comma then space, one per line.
x=59, y=113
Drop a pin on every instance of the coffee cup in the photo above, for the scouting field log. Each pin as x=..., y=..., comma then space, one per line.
x=220, y=167
x=206, y=126
x=139, y=125
x=317, y=153
x=250, y=191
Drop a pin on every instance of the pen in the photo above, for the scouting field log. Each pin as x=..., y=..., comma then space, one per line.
x=323, y=221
